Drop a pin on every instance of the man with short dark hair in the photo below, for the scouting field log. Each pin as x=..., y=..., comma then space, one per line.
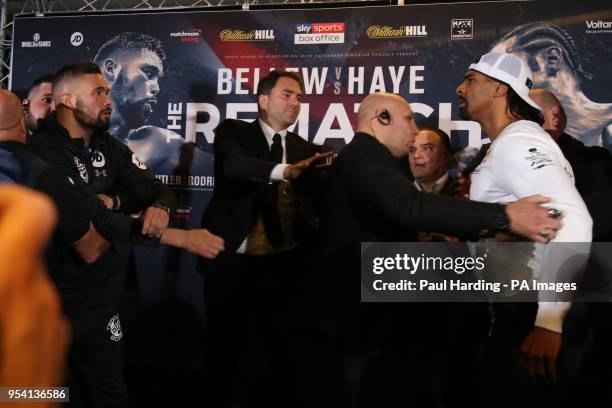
x=428, y=158
x=257, y=208
x=39, y=101
x=74, y=138
x=83, y=114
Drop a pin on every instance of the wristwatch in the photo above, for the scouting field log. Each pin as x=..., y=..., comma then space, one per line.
x=501, y=222
x=163, y=207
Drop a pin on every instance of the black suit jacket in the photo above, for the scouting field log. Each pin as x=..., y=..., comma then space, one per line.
x=368, y=198
x=242, y=173
x=592, y=166
x=450, y=187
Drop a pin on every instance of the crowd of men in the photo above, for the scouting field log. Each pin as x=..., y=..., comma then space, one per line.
x=287, y=215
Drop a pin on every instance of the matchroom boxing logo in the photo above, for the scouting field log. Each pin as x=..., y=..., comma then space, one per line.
x=192, y=35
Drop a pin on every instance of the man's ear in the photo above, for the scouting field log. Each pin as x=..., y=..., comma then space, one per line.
x=501, y=90
x=68, y=100
x=22, y=125
x=262, y=102
x=110, y=70
x=554, y=115
x=553, y=56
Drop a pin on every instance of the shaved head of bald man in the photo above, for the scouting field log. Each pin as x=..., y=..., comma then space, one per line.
x=12, y=119
x=555, y=119
x=389, y=118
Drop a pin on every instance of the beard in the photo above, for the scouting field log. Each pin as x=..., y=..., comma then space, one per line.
x=136, y=113
x=99, y=122
x=463, y=111
x=32, y=123
x=135, y=110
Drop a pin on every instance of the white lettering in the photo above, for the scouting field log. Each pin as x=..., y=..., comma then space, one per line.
x=192, y=127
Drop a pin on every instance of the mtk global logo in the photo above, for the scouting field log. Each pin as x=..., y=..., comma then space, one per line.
x=35, y=43
x=251, y=35
x=378, y=31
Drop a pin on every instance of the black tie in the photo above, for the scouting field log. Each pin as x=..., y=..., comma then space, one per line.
x=270, y=215
x=276, y=150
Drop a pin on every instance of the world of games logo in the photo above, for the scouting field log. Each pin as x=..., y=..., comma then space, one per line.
x=462, y=29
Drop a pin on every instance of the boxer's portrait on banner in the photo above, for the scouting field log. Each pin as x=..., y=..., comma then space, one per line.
x=557, y=65
x=133, y=64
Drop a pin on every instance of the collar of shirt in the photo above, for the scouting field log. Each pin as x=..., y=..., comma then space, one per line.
x=437, y=186
x=97, y=138
x=269, y=134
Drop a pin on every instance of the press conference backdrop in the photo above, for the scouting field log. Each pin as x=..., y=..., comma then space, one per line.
x=215, y=58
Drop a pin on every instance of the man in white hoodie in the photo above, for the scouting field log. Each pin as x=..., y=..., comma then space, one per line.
x=523, y=160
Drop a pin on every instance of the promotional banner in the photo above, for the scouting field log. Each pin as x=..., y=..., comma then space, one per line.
x=175, y=76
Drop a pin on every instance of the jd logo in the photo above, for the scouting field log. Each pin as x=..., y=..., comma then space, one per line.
x=98, y=159
x=76, y=39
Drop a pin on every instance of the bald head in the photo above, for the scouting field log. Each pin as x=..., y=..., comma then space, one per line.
x=544, y=98
x=12, y=122
x=555, y=119
x=377, y=102
x=389, y=118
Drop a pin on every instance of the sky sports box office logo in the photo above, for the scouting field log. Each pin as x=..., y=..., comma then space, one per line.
x=319, y=33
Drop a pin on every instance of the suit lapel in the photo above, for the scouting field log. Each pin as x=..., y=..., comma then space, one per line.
x=449, y=187
x=295, y=150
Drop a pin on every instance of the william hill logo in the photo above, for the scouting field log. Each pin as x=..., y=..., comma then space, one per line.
x=378, y=31
x=251, y=35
